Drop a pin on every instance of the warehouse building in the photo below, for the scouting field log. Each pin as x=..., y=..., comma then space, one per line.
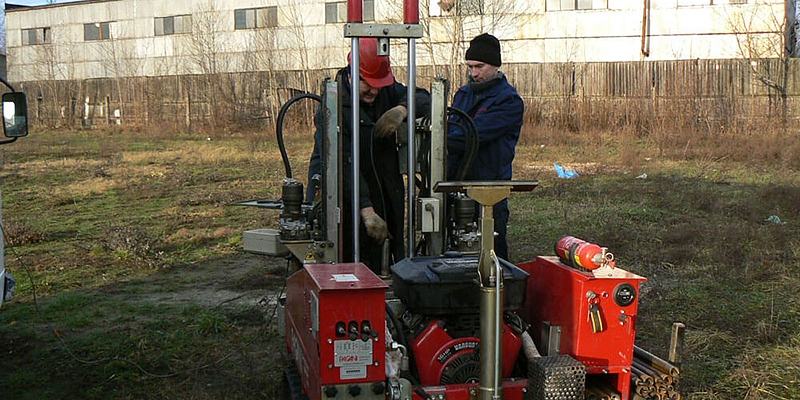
x=121, y=38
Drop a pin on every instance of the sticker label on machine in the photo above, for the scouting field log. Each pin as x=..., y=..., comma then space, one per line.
x=345, y=278
x=352, y=356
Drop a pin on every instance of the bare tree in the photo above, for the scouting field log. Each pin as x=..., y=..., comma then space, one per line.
x=120, y=62
x=52, y=65
x=295, y=47
x=205, y=44
x=204, y=51
x=448, y=25
x=260, y=59
x=762, y=36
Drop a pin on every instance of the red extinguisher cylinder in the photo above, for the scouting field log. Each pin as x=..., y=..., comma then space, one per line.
x=580, y=253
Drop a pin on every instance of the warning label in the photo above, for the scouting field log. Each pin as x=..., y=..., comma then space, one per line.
x=348, y=353
x=345, y=278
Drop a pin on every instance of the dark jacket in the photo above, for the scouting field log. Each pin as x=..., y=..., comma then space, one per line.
x=381, y=186
x=497, y=113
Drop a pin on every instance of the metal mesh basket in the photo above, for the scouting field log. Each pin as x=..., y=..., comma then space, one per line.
x=558, y=377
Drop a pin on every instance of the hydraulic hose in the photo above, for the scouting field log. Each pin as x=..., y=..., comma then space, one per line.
x=398, y=327
x=279, y=126
x=472, y=140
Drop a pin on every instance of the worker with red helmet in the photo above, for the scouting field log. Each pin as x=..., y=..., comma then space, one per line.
x=382, y=190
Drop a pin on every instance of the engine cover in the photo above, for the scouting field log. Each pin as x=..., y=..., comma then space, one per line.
x=446, y=285
x=444, y=360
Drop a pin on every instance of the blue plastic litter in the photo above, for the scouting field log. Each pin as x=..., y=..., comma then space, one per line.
x=564, y=173
x=775, y=220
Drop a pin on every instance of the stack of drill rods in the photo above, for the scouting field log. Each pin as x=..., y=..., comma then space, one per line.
x=601, y=392
x=653, y=377
x=656, y=362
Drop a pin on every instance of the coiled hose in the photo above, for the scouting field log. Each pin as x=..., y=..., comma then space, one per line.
x=472, y=140
x=279, y=126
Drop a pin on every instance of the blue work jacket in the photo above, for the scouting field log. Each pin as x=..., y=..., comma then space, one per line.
x=497, y=113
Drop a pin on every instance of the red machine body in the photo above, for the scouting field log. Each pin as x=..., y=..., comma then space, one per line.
x=595, y=313
x=439, y=356
x=335, y=325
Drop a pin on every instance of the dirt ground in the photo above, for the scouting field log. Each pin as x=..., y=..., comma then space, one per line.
x=238, y=354
x=238, y=280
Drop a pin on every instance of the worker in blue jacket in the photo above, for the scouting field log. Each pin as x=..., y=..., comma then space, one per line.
x=496, y=108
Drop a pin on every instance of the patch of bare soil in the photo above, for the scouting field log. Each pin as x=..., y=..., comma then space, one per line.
x=242, y=279
x=246, y=359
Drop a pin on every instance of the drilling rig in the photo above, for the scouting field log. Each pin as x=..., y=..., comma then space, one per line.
x=451, y=320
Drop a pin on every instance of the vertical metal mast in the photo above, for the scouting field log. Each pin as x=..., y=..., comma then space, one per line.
x=411, y=16
x=411, y=30
x=355, y=15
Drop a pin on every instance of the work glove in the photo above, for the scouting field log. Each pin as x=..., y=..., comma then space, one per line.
x=376, y=227
x=389, y=122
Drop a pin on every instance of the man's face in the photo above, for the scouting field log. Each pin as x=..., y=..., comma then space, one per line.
x=481, y=71
x=367, y=93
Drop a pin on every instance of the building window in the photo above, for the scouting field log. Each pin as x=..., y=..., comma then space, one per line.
x=336, y=12
x=250, y=18
x=36, y=36
x=173, y=25
x=570, y=5
x=96, y=31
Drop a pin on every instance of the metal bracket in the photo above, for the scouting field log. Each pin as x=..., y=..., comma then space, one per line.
x=409, y=31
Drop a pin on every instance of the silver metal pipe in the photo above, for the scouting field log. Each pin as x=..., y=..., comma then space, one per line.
x=355, y=63
x=333, y=181
x=490, y=355
x=498, y=338
x=412, y=156
x=385, y=257
x=439, y=93
x=491, y=280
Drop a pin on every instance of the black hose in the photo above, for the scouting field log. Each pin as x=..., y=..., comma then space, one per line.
x=472, y=141
x=279, y=126
x=398, y=327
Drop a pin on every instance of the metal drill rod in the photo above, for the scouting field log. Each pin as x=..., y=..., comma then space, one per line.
x=332, y=182
x=412, y=156
x=355, y=62
x=491, y=286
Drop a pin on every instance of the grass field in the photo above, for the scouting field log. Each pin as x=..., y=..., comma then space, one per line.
x=131, y=282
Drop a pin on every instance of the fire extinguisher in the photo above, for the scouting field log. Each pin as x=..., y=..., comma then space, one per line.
x=580, y=253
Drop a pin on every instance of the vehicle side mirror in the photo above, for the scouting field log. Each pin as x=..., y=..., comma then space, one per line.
x=15, y=115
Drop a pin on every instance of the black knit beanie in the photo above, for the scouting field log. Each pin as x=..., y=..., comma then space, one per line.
x=485, y=48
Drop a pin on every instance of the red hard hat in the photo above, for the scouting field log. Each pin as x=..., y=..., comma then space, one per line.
x=375, y=69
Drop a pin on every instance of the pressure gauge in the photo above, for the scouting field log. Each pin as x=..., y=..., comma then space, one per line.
x=624, y=294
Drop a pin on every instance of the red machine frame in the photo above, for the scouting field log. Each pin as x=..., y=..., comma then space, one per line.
x=561, y=296
x=336, y=295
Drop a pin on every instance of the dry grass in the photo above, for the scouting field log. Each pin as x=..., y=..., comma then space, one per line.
x=131, y=244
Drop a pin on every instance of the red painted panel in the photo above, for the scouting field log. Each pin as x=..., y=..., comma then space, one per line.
x=561, y=295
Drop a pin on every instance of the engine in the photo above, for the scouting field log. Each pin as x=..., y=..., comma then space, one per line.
x=440, y=316
x=443, y=360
